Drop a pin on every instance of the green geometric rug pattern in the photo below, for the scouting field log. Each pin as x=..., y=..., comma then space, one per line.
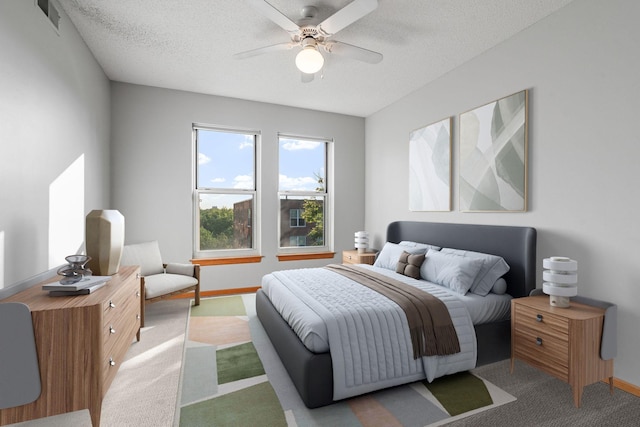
x=238, y=380
x=237, y=363
x=460, y=393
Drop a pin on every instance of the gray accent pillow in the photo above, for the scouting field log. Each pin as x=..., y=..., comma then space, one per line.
x=390, y=254
x=499, y=287
x=493, y=267
x=409, y=264
x=452, y=271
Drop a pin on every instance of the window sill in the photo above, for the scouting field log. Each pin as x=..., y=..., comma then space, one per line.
x=226, y=261
x=302, y=257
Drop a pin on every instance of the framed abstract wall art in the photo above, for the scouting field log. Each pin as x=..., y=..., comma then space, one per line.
x=430, y=167
x=493, y=156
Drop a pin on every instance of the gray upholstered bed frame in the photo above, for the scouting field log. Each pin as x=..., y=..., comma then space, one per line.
x=312, y=372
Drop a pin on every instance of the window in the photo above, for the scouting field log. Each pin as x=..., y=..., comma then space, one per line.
x=225, y=192
x=303, y=191
x=295, y=216
x=298, y=241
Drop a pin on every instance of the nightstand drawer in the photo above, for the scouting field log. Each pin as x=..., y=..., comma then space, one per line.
x=349, y=258
x=355, y=257
x=547, y=352
x=541, y=321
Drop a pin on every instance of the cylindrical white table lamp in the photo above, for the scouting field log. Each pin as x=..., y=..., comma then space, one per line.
x=361, y=239
x=560, y=280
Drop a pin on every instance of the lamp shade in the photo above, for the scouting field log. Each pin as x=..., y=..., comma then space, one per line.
x=309, y=60
x=560, y=280
x=361, y=240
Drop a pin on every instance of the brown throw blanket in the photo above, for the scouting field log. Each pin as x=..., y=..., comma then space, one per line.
x=432, y=331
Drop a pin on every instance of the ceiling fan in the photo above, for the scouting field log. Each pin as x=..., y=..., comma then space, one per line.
x=314, y=38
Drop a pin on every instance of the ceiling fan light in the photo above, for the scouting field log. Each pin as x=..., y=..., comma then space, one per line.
x=309, y=60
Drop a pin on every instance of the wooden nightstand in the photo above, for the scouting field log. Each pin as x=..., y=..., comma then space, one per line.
x=353, y=257
x=563, y=342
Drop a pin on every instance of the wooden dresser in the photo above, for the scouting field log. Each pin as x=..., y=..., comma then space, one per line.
x=80, y=341
x=563, y=342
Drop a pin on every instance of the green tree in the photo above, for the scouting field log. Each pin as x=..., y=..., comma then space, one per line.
x=313, y=213
x=216, y=228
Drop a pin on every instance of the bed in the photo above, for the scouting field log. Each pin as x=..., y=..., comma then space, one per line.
x=312, y=372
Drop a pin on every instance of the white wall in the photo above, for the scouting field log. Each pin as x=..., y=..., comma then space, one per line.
x=152, y=171
x=54, y=140
x=581, y=66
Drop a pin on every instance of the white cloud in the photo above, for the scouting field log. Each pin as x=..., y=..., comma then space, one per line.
x=296, y=144
x=217, y=180
x=203, y=159
x=244, y=182
x=247, y=143
x=305, y=183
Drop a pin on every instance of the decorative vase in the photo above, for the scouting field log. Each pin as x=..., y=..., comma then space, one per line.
x=104, y=241
x=75, y=270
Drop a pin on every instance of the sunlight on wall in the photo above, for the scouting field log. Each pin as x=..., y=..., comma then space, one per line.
x=66, y=213
x=1, y=259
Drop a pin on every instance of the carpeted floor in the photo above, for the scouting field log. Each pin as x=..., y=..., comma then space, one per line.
x=233, y=377
x=147, y=391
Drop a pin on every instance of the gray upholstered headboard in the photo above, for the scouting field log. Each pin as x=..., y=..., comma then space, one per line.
x=517, y=245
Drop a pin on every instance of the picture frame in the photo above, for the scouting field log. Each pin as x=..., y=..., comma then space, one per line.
x=493, y=156
x=430, y=167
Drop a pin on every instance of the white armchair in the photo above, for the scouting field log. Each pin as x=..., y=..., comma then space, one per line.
x=160, y=280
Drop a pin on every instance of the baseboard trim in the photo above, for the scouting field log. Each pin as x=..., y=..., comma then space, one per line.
x=217, y=293
x=625, y=386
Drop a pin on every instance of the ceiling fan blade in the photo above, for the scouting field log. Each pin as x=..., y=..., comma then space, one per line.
x=275, y=15
x=347, y=15
x=306, y=78
x=355, y=52
x=261, y=50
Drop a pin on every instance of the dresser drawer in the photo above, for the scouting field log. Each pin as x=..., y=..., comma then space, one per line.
x=541, y=321
x=118, y=322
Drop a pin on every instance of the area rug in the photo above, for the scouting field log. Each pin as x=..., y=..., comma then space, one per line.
x=232, y=376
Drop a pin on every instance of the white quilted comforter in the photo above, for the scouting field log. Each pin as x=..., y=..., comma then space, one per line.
x=368, y=334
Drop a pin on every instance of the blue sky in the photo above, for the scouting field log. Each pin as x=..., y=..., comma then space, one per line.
x=225, y=160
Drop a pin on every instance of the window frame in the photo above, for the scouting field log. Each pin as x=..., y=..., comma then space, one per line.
x=328, y=196
x=255, y=213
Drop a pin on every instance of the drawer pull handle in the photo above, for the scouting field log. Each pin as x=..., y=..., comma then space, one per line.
x=137, y=317
x=138, y=294
x=111, y=330
x=539, y=317
x=538, y=341
x=112, y=362
x=111, y=304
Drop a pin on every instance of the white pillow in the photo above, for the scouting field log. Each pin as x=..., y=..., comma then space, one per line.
x=425, y=246
x=493, y=267
x=452, y=271
x=390, y=254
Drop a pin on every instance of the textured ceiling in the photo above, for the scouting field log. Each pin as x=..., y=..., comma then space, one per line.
x=189, y=45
